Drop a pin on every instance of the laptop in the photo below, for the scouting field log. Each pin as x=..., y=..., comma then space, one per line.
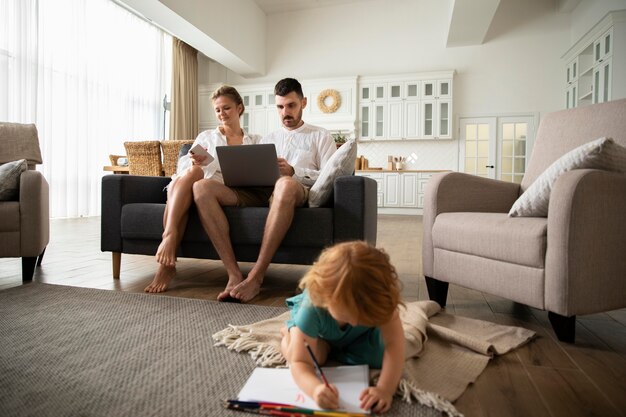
x=248, y=165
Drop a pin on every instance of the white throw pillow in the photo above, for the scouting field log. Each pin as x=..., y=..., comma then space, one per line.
x=10, y=179
x=601, y=153
x=341, y=163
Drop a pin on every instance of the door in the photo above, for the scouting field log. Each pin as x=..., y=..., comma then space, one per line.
x=496, y=147
x=516, y=136
x=477, y=152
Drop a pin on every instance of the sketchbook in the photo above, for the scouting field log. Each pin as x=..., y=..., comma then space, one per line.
x=276, y=385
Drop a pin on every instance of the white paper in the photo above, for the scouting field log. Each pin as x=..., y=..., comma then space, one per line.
x=276, y=385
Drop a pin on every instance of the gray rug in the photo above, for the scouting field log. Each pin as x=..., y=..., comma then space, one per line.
x=69, y=351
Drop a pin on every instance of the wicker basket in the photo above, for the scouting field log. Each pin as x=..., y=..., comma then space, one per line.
x=144, y=158
x=170, y=149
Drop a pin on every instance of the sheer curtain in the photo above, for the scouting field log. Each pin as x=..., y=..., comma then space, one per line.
x=101, y=74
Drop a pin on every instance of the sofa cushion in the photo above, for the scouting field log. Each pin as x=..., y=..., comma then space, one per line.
x=494, y=236
x=10, y=179
x=340, y=164
x=310, y=227
x=602, y=153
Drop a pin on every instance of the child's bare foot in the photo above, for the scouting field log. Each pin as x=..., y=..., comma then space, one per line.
x=162, y=279
x=166, y=253
x=247, y=289
x=233, y=281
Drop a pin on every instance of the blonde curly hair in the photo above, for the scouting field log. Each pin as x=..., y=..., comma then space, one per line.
x=358, y=277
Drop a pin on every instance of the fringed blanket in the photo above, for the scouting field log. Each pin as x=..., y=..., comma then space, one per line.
x=435, y=373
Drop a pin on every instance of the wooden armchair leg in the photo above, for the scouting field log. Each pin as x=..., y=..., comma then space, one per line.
x=116, y=258
x=564, y=327
x=437, y=290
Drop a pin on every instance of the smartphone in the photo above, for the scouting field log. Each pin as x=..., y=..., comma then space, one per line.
x=197, y=149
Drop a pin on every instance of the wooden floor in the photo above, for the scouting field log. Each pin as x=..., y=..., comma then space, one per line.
x=543, y=378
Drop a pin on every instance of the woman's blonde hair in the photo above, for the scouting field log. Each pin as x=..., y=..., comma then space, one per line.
x=230, y=92
x=358, y=277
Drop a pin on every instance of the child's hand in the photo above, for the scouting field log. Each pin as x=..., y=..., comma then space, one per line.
x=377, y=398
x=326, y=397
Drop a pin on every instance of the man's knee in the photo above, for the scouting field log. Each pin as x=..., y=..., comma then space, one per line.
x=287, y=191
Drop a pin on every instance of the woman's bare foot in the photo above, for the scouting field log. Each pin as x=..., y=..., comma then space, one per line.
x=247, y=289
x=166, y=253
x=162, y=279
x=232, y=283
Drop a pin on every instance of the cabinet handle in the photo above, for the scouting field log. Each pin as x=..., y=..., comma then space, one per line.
x=489, y=166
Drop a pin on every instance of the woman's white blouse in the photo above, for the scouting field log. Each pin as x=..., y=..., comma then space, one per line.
x=210, y=139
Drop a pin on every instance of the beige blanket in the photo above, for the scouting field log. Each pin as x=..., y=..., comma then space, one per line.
x=435, y=374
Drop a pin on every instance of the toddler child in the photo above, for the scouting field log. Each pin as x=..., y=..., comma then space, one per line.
x=348, y=312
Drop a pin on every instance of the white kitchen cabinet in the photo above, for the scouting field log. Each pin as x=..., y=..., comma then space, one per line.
x=378, y=177
x=595, y=66
x=400, y=189
x=392, y=108
x=436, y=119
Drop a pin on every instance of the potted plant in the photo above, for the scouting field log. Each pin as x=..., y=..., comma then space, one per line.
x=340, y=138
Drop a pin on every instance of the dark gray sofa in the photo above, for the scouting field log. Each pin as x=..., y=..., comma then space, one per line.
x=132, y=222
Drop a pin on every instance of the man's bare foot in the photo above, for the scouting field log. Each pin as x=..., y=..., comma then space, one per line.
x=166, y=253
x=247, y=289
x=232, y=283
x=162, y=279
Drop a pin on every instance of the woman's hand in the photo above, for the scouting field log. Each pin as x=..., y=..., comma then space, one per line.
x=326, y=396
x=376, y=399
x=284, y=168
x=198, y=159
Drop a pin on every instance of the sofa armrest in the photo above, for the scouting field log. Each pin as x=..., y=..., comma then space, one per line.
x=355, y=209
x=459, y=192
x=118, y=190
x=585, y=259
x=34, y=213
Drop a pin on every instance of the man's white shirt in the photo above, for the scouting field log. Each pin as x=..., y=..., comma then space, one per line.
x=306, y=149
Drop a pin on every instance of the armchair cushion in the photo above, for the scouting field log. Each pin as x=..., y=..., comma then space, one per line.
x=10, y=179
x=19, y=141
x=602, y=153
x=340, y=164
x=493, y=235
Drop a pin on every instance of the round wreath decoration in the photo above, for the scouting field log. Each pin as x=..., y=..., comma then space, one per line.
x=334, y=104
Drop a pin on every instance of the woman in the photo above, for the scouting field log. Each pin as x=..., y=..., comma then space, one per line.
x=228, y=107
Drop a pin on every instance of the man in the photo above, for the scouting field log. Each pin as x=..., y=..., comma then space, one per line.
x=302, y=149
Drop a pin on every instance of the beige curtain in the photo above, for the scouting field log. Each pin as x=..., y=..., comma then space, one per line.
x=184, y=110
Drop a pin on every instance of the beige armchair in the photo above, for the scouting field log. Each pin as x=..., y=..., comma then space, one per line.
x=571, y=262
x=24, y=223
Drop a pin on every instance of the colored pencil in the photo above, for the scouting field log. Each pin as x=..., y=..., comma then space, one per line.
x=317, y=365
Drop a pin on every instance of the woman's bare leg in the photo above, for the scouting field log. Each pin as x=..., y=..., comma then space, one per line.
x=174, y=224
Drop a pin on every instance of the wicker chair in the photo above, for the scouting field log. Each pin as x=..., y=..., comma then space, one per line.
x=144, y=158
x=171, y=149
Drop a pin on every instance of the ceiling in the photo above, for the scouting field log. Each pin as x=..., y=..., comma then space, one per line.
x=281, y=6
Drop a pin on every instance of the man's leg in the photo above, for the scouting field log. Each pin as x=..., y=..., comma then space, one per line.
x=210, y=196
x=174, y=224
x=288, y=194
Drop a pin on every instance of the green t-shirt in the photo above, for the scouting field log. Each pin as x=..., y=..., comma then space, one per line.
x=353, y=345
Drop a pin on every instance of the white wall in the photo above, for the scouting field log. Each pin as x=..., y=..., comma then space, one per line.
x=588, y=13
x=517, y=69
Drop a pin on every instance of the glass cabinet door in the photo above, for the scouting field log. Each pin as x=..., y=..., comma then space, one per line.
x=428, y=119
x=412, y=91
x=443, y=112
x=365, y=94
x=428, y=89
x=444, y=89
x=379, y=121
x=395, y=92
x=366, y=131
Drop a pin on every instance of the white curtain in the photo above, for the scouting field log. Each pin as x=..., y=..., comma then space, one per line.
x=100, y=77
